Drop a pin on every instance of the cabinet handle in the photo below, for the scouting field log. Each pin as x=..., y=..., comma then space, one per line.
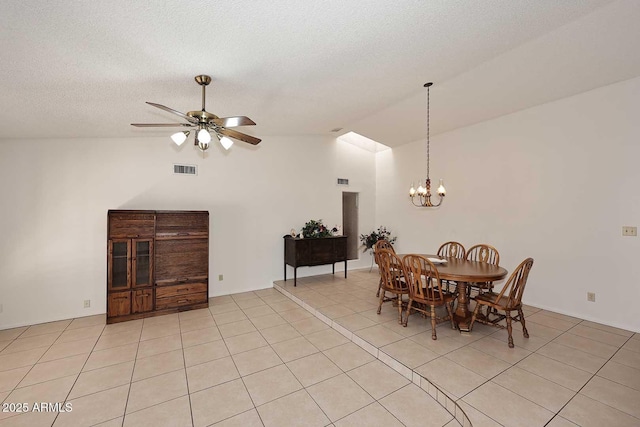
x=183, y=234
x=182, y=300
x=184, y=279
x=184, y=290
x=121, y=298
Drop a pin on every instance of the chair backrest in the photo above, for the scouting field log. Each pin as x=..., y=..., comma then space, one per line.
x=452, y=249
x=423, y=278
x=514, y=287
x=381, y=244
x=392, y=271
x=483, y=253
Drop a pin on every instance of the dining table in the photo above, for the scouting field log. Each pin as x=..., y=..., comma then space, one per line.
x=463, y=272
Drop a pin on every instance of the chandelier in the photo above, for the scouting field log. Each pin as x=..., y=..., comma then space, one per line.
x=421, y=196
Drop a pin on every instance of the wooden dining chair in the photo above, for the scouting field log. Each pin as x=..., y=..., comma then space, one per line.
x=509, y=299
x=425, y=292
x=381, y=244
x=451, y=250
x=482, y=253
x=392, y=276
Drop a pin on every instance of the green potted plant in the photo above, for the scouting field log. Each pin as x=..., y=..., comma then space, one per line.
x=369, y=240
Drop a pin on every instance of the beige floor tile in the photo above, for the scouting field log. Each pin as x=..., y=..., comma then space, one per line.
x=45, y=328
x=118, y=339
x=354, y=322
x=313, y=369
x=47, y=371
x=571, y=356
x=621, y=374
x=417, y=325
x=102, y=379
x=443, y=345
x=542, y=318
x=119, y=328
x=587, y=345
x=158, y=364
x=225, y=307
x=293, y=410
x=232, y=329
x=10, y=379
x=606, y=328
x=219, y=403
x=295, y=314
x=81, y=334
x=409, y=353
x=499, y=348
x=326, y=339
x=251, y=303
x=294, y=349
x=268, y=321
x=558, y=421
x=336, y=310
x=378, y=379
x=513, y=410
x=84, y=322
x=156, y=390
x=279, y=333
x=210, y=374
x=477, y=361
x=545, y=393
x=159, y=331
x=201, y=313
x=111, y=356
x=271, y=384
x=374, y=415
x=23, y=344
x=627, y=358
x=383, y=317
x=348, y=356
x=21, y=358
x=454, y=379
x=165, y=319
x=200, y=336
x=205, y=353
x=259, y=311
x=412, y=406
x=31, y=419
x=95, y=408
x=73, y=348
x=557, y=372
x=159, y=345
x=220, y=300
x=599, y=335
x=616, y=395
x=4, y=344
x=229, y=317
x=12, y=334
x=249, y=418
x=50, y=391
x=256, y=360
x=196, y=324
x=587, y=412
x=379, y=336
x=174, y=413
x=245, y=342
x=116, y=422
x=560, y=316
x=309, y=326
x=477, y=418
x=339, y=396
x=632, y=345
x=242, y=296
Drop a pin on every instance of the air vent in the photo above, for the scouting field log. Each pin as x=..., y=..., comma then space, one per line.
x=185, y=169
x=343, y=181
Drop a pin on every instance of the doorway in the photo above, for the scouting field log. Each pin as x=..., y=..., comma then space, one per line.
x=350, y=223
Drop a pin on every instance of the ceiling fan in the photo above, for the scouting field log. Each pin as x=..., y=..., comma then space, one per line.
x=204, y=125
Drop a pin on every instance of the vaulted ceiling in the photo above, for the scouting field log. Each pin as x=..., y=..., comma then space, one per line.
x=85, y=69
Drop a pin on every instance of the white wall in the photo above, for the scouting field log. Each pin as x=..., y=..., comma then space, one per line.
x=56, y=193
x=555, y=182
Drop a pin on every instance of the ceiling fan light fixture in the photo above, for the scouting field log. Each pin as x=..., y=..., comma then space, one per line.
x=226, y=142
x=204, y=137
x=180, y=137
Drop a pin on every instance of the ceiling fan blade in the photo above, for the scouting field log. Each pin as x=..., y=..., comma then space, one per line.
x=231, y=122
x=240, y=136
x=172, y=111
x=161, y=125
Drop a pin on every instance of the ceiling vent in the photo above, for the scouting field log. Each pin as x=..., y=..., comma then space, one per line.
x=185, y=169
x=343, y=181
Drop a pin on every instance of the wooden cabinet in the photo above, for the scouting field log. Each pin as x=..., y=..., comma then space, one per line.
x=310, y=252
x=157, y=262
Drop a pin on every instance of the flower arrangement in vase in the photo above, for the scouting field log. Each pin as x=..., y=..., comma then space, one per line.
x=369, y=240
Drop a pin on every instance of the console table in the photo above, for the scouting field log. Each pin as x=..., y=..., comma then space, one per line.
x=310, y=252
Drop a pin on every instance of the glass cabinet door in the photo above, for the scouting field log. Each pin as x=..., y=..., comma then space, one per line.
x=142, y=262
x=119, y=265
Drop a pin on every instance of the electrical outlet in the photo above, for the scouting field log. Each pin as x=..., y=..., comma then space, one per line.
x=591, y=296
x=87, y=303
x=628, y=230
x=220, y=277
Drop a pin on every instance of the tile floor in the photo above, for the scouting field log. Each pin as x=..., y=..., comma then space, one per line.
x=259, y=358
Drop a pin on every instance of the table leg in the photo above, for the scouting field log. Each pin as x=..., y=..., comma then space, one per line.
x=295, y=276
x=462, y=316
x=345, y=268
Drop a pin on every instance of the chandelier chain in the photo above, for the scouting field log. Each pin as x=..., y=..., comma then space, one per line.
x=428, y=154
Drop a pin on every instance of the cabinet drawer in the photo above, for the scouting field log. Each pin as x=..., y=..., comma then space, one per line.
x=182, y=224
x=119, y=304
x=131, y=225
x=178, y=290
x=180, y=300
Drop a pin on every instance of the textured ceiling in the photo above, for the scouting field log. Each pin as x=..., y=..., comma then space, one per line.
x=85, y=69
